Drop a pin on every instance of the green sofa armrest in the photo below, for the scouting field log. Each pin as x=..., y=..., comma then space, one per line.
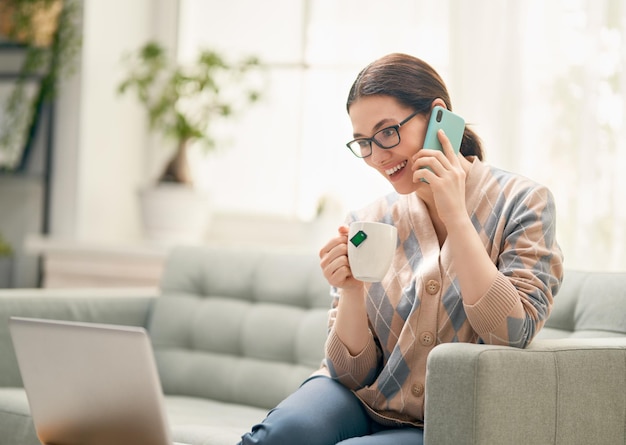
x=96, y=306
x=556, y=391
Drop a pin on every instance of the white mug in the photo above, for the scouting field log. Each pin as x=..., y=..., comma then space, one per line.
x=371, y=246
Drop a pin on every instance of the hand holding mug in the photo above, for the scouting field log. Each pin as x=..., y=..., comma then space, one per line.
x=362, y=252
x=334, y=261
x=371, y=246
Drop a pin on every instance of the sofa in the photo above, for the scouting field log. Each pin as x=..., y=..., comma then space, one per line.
x=236, y=330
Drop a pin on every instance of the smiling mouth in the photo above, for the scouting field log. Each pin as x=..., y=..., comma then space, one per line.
x=395, y=169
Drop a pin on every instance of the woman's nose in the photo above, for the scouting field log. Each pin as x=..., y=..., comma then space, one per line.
x=379, y=155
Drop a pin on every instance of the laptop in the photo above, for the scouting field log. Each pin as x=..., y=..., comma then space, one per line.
x=90, y=384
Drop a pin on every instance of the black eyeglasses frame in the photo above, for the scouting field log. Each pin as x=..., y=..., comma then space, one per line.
x=373, y=138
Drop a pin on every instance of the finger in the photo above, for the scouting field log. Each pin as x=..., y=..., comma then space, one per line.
x=328, y=247
x=332, y=252
x=335, y=257
x=340, y=267
x=444, y=141
x=448, y=151
x=342, y=238
x=338, y=272
x=429, y=152
x=435, y=162
x=424, y=175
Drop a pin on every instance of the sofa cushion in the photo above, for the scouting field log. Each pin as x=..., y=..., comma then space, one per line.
x=201, y=421
x=245, y=327
x=17, y=425
x=589, y=304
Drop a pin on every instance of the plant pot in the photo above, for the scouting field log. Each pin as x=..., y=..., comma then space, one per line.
x=43, y=20
x=174, y=214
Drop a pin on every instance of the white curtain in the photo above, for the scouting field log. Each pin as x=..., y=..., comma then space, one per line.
x=546, y=82
x=542, y=82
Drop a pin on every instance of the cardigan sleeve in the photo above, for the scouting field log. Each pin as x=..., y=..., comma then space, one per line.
x=530, y=265
x=356, y=371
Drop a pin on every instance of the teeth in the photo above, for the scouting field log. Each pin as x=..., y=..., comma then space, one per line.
x=391, y=171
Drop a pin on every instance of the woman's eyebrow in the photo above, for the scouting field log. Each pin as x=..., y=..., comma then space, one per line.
x=387, y=122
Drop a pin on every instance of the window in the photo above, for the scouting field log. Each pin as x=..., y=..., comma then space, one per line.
x=547, y=101
x=277, y=162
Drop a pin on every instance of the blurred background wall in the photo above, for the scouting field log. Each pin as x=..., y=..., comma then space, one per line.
x=543, y=84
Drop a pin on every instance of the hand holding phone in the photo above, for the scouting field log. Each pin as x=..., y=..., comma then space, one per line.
x=452, y=124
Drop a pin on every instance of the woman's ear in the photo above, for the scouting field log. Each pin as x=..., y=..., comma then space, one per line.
x=439, y=101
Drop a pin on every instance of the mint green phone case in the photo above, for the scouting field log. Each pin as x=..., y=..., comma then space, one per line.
x=453, y=125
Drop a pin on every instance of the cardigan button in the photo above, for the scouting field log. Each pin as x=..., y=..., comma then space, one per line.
x=417, y=390
x=427, y=338
x=432, y=287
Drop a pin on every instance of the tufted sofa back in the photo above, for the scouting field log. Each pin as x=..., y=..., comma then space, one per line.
x=589, y=304
x=239, y=325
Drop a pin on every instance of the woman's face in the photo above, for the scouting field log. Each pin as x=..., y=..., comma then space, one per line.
x=373, y=113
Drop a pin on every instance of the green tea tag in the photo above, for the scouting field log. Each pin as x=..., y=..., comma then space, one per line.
x=358, y=238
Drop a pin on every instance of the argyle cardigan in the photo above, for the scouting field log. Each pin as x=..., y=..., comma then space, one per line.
x=418, y=304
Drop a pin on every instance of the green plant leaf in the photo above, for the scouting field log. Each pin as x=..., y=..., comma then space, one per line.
x=183, y=101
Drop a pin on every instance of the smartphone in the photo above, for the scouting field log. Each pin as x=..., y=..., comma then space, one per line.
x=453, y=125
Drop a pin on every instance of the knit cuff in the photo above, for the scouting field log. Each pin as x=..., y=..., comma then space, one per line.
x=494, y=307
x=358, y=366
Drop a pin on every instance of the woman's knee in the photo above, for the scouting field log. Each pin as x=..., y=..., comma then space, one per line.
x=320, y=412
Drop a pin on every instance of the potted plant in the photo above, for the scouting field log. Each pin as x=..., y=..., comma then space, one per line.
x=47, y=30
x=183, y=102
x=6, y=260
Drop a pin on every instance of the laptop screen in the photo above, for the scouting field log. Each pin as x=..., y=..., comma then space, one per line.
x=90, y=384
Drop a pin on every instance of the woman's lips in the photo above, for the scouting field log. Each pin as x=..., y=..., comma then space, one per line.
x=393, y=170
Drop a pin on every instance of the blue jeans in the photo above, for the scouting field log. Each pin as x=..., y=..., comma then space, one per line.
x=324, y=412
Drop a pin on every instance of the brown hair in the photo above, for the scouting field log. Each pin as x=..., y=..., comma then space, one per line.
x=414, y=84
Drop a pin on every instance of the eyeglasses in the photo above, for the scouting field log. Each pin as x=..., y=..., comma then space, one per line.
x=386, y=138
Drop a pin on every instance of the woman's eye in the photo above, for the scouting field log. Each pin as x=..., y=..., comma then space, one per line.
x=388, y=132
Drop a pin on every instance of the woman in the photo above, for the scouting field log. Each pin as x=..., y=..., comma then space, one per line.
x=476, y=261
